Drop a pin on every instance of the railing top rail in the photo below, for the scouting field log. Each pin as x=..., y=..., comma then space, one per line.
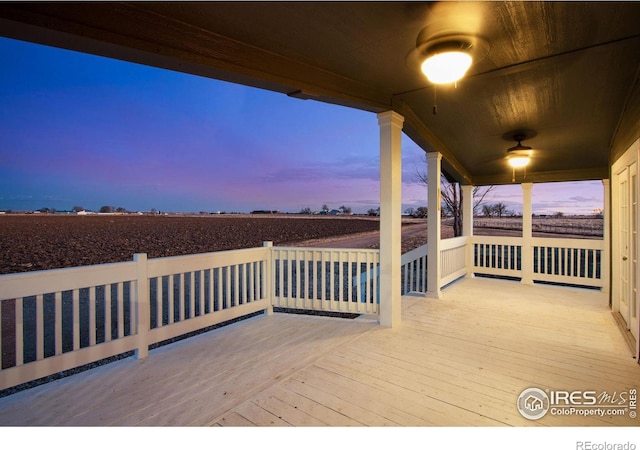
x=327, y=249
x=590, y=244
x=65, y=279
x=501, y=240
x=414, y=254
x=187, y=263
x=460, y=241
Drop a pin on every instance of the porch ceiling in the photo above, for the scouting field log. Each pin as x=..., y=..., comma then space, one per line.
x=561, y=71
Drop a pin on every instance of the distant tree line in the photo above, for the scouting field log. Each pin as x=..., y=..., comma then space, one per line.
x=78, y=208
x=421, y=211
x=497, y=210
x=346, y=210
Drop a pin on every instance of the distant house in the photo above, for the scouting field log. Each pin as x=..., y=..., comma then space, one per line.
x=335, y=212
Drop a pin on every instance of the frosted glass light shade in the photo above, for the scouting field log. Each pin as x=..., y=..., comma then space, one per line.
x=446, y=67
x=519, y=161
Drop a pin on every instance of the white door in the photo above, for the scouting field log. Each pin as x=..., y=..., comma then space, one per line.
x=623, y=243
x=633, y=250
x=626, y=251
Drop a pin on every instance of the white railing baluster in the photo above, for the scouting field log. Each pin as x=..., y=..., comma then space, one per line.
x=200, y=296
x=158, y=301
x=39, y=328
x=307, y=257
x=76, y=318
x=581, y=262
x=281, y=286
x=340, y=286
x=236, y=285
x=133, y=310
x=19, y=331
x=250, y=281
x=295, y=264
x=332, y=285
x=290, y=279
x=181, y=296
x=210, y=299
x=243, y=284
x=324, y=281
x=349, y=277
x=108, y=301
x=405, y=278
x=375, y=287
x=120, y=310
x=313, y=277
x=228, y=299
x=571, y=262
x=58, y=324
x=359, y=278
x=92, y=316
x=192, y=295
x=171, y=298
x=421, y=269
x=219, y=283
x=303, y=275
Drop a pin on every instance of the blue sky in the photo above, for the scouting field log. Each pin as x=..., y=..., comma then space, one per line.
x=81, y=130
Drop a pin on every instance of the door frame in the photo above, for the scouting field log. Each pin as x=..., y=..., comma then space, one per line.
x=631, y=156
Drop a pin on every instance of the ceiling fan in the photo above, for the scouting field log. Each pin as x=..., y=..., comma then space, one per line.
x=519, y=155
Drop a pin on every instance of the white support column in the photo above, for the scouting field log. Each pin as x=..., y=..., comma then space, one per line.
x=390, y=124
x=527, y=235
x=434, y=160
x=606, y=253
x=467, y=210
x=467, y=225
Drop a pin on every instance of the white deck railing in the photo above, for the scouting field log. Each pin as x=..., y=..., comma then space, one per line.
x=340, y=280
x=56, y=320
x=453, y=259
x=414, y=270
x=500, y=256
x=570, y=261
x=578, y=262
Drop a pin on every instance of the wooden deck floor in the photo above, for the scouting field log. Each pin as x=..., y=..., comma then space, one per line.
x=461, y=360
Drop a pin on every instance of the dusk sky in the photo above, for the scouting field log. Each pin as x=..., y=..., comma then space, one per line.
x=81, y=130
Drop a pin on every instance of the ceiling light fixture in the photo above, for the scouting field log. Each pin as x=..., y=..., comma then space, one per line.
x=519, y=156
x=446, y=57
x=447, y=62
x=519, y=161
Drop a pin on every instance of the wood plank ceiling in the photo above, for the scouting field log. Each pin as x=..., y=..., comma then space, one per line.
x=564, y=73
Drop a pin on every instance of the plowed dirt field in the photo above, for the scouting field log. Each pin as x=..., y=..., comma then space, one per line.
x=41, y=242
